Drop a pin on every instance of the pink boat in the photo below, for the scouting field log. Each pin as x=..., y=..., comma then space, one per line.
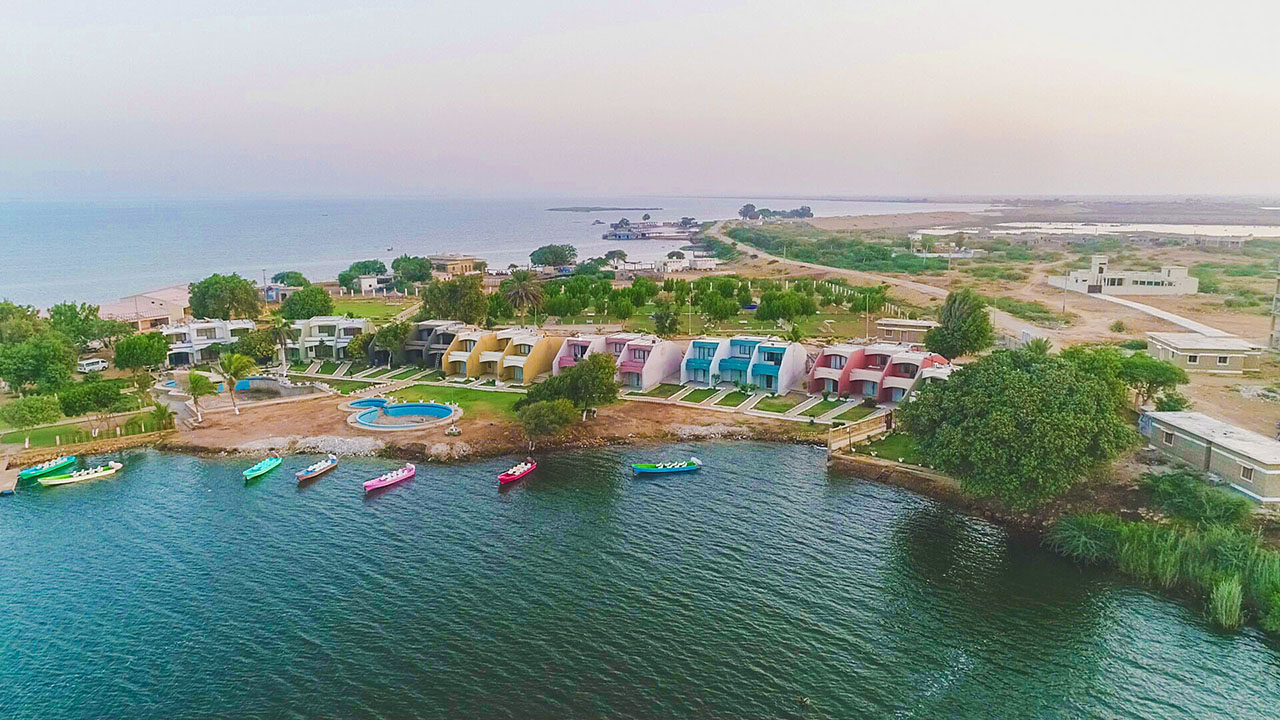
x=391, y=478
x=517, y=472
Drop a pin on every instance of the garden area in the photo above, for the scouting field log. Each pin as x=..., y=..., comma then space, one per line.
x=376, y=309
x=700, y=395
x=664, y=390
x=476, y=404
x=779, y=403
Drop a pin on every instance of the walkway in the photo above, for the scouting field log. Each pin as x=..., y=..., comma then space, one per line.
x=1178, y=320
x=8, y=477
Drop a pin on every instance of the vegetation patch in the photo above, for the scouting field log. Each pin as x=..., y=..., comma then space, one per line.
x=664, y=390
x=779, y=403
x=1031, y=311
x=994, y=272
x=699, y=395
x=896, y=446
x=406, y=374
x=328, y=368
x=823, y=408
x=733, y=399
x=368, y=308
x=69, y=433
x=835, y=249
x=856, y=413
x=474, y=403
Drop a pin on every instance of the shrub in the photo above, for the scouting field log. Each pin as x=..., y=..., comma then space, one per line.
x=1225, y=601
x=1185, y=495
x=1118, y=327
x=1090, y=538
x=1134, y=344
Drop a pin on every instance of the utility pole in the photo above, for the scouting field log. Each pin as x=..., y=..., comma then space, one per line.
x=1275, y=312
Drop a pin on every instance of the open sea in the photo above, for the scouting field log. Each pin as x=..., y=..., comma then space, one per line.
x=98, y=251
x=759, y=587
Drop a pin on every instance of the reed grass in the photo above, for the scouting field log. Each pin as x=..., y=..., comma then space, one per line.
x=1225, y=601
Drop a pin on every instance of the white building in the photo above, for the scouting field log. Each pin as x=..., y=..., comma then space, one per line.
x=1100, y=279
x=325, y=337
x=190, y=342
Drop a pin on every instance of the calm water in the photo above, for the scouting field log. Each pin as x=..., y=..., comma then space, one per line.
x=98, y=251
x=757, y=588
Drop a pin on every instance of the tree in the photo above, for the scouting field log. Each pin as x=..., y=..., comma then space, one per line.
x=30, y=411
x=281, y=333
x=461, y=298
x=234, y=367
x=748, y=212
x=161, y=416
x=78, y=323
x=1103, y=363
x=1150, y=377
x=643, y=290
x=619, y=255
x=292, y=278
x=19, y=322
x=554, y=255
x=499, y=309
x=392, y=338
x=307, y=303
x=257, y=344
x=412, y=269
x=718, y=307
x=1017, y=426
x=666, y=321
x=794, y=334
x=588, y=384
x=623, y=308
x=199, y=386
x=645, y=217
x=358, y=346
x=675, y=255
x=522, y=290
x=1172, y=401
x=141, y=351
x=85, y=397
x=225, y=297
x=546, y=418
x=347, y=278
x=965, y=326
x=785, y=305
x=44, y=360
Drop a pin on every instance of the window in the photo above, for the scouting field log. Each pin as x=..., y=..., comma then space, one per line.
x=640, y=355
x=705, y=353
x=1193, y=359
x=889, y=333
x=1166, y=437
x=1223, y=359
x=837, y=362
x=1246, y=473
x=579, y=351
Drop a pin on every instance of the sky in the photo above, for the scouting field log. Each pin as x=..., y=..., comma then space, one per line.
x=598, y=99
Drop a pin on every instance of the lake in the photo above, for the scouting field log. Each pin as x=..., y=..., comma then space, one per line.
x=758, y=587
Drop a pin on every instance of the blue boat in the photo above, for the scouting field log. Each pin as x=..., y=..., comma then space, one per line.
x=47, y=467
x=689, y=465
x=262, y=468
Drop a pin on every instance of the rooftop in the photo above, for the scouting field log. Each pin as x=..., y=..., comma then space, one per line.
x=1253, y=445
x=1198, y=341
x=904, y=322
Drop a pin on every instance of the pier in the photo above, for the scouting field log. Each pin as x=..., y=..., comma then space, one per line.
x=8, y=477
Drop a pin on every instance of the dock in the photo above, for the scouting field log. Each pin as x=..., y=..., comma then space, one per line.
x=8, y=477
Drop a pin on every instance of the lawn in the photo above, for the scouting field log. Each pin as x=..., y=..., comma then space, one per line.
x=406, y=373
x=476, y=404
x=665, y=390
x=328, y=368
x=299, y=366
x=856, y=413
x=698, y=396
x=379, y=372
x=733, y=399
x=74, y=432
x=346, y=387
x=356, y=368
x=898, y=446
x=823, y=408
x=373, y=308
x=779, y=403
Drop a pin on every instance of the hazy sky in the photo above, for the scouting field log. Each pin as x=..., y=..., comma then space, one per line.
x=601, y=98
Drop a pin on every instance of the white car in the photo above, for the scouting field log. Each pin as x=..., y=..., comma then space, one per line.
x=91, y=365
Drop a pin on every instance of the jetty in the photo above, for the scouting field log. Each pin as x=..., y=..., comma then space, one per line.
x=8, y=477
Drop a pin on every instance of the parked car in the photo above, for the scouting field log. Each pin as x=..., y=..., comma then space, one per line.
x=91, y=365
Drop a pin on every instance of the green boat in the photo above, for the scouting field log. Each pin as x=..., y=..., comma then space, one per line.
x=49, y=466
x=692, y=463
x=262, y=468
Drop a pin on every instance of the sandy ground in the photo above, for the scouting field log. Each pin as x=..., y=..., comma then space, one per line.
x=899, y=221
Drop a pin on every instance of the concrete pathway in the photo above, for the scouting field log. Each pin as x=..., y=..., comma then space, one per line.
x=314, y=367
x=793, y=412
x=717, y=397
x=341, y=369
x=1178, y=320
x=684, y=391
x=751, y=401
x=367, y=373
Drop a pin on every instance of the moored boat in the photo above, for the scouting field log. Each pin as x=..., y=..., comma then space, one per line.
x=262, y=467
x=317, y=469
x=47, y=467
x=692, y=463
x=92, y=473
x=517, y=472
x=391, y=478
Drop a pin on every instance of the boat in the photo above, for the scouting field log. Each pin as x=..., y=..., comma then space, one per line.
x=92, y=473
x=315, y=470
x=692, y=463
x=47, y=467
x=517, y=472
x=262, y=467
x=391, y=478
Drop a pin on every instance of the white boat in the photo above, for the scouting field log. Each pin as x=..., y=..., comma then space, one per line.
x=93, y=473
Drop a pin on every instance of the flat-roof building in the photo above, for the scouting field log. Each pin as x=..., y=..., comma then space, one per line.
x=1101, y=279
x=1246, y=460
x=1197, y=352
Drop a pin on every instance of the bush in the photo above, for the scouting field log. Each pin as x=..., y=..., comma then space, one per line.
x=1118, y=327
x=1224, y=602
x=1134, y=344
x=87, y=397
x=1185, y=495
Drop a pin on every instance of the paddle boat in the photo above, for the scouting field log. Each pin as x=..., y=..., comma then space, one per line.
x=47, y=467
x=692, y=463
x=518, y=472
x=92, y=473
x=315, y=470
x=262, y=467
x=391, y=478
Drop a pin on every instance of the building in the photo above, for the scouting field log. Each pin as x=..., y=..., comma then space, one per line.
x=643, y=360
x=373, y=284
x=774, y=365
x=1196, y=352
x=462, y=357
x=429, y=341
x=199, y=341
x=887, y=372
x=1099, y=278
x=529, y=354
x=325, y=337
x=650, y=230
x=276, y=292
x=150, y=310
x=1248, y=461
x=903, y=330
x=454, y=264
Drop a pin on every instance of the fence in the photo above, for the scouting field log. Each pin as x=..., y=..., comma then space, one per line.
x=872, y=426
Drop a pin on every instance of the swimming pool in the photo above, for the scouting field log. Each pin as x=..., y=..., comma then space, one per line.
x=416, y=414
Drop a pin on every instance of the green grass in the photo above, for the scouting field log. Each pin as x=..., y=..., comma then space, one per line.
x=356, y=367
x=665, y=390
x=823, y=408
x=74, y=432
x=299, y=366
x=856, y=413
x=699, y=395
x=328, y=368
x=346, y=387
x=475, y=404
x=378, y=373
x=733, y=399
x=897, y=446
x=374, y=309
x=404, y=374
x=1030, y=310
x=779, y=403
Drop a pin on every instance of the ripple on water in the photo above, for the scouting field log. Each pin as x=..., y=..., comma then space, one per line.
x=757, y=587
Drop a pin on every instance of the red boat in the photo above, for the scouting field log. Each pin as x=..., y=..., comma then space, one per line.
x=517, y=472
x=391, y=478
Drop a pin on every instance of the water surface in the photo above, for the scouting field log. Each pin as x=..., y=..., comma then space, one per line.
x=759, y=587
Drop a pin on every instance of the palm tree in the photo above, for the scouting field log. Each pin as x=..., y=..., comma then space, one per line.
x=199, y=386
x=1038, y=346
x=234, y=367
x=282, y=332
x=162, y=416
x=523, y=290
